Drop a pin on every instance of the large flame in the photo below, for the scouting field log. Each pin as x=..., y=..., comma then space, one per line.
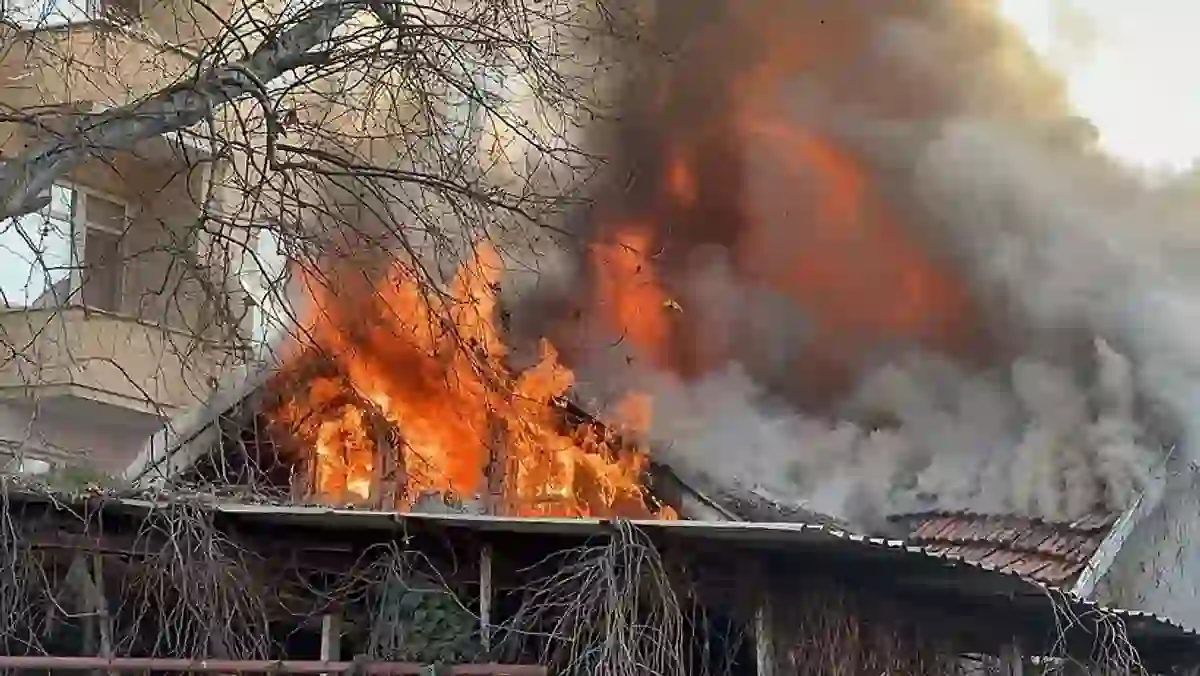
x=422, y=387
x=721, y=161
x=733, y=166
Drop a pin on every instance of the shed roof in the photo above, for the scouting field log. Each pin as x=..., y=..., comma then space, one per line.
x=944, y=577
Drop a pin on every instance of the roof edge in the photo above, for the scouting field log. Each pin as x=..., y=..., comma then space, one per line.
x=1106, y=554
x=172, y=449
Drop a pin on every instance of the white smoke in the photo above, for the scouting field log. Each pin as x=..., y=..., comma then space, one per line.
x=918, y=433
x=1053, y=242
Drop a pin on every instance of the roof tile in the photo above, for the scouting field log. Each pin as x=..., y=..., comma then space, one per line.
x=1048, y=552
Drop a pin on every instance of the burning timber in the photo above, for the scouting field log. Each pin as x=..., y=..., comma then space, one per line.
x=235, y=447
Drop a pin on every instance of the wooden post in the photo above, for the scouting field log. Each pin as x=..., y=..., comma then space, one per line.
x=86, y=578
x=764, y=639
x=99, y=607
x=79, y=582
x=383, y=483
x=497, y=468
x=301, y=481
x=331, y=638
x=1011, y=660
x=485, y=597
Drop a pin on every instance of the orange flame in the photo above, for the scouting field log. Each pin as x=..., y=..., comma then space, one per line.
x=633, y=304
x=800, y=213
x=428, y=365
x=821, y=232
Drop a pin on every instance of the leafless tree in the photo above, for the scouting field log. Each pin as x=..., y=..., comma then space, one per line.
x=171, y=165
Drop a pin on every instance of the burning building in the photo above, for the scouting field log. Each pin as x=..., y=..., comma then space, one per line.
x=846, y=260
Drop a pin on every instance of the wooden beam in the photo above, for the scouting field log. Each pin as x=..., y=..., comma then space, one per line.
x=331, y=638
x=145, y=665
x=764, y=638
x=485, y=597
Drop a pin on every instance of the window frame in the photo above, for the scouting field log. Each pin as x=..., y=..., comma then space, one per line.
x=254, y=276
x=87, y=12
x=79, y=230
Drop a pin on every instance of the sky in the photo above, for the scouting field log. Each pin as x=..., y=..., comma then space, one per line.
x=1132, y=67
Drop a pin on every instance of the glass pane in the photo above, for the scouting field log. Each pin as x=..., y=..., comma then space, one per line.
x=38, y=13
x=61, y=201
x=102, y=268
x=35, y=256
x=105, y=213
x=263, y=275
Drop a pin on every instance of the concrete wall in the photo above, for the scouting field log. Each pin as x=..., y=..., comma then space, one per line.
x=78, y=433
x=91, y=386
x=92, y=63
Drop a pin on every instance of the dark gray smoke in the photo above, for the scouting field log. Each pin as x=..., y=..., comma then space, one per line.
x=897, y=272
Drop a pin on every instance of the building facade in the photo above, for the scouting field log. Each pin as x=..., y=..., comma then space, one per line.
x=121, y=306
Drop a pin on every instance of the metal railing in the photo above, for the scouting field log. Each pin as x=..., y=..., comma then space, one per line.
x=148, y=664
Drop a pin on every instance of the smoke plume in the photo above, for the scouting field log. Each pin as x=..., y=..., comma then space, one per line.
x=863, y=256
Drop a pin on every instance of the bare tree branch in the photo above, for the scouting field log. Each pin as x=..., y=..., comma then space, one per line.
x=24, y=179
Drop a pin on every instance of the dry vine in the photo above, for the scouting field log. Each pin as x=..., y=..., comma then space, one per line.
x=1112, y=652
x=610, y=610
x=193, y=590
x=825, y=629
x=23, y=582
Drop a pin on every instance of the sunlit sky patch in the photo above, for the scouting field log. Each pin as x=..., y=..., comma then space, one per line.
x=1133, y=68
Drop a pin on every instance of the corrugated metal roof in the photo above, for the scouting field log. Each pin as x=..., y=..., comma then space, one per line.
x=798, y=534
x=1048, y=552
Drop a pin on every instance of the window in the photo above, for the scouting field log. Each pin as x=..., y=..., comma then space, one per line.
x=263, y=274
x=36, y=253
x=103, y=262
x=44, y=13
x=69, y=253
